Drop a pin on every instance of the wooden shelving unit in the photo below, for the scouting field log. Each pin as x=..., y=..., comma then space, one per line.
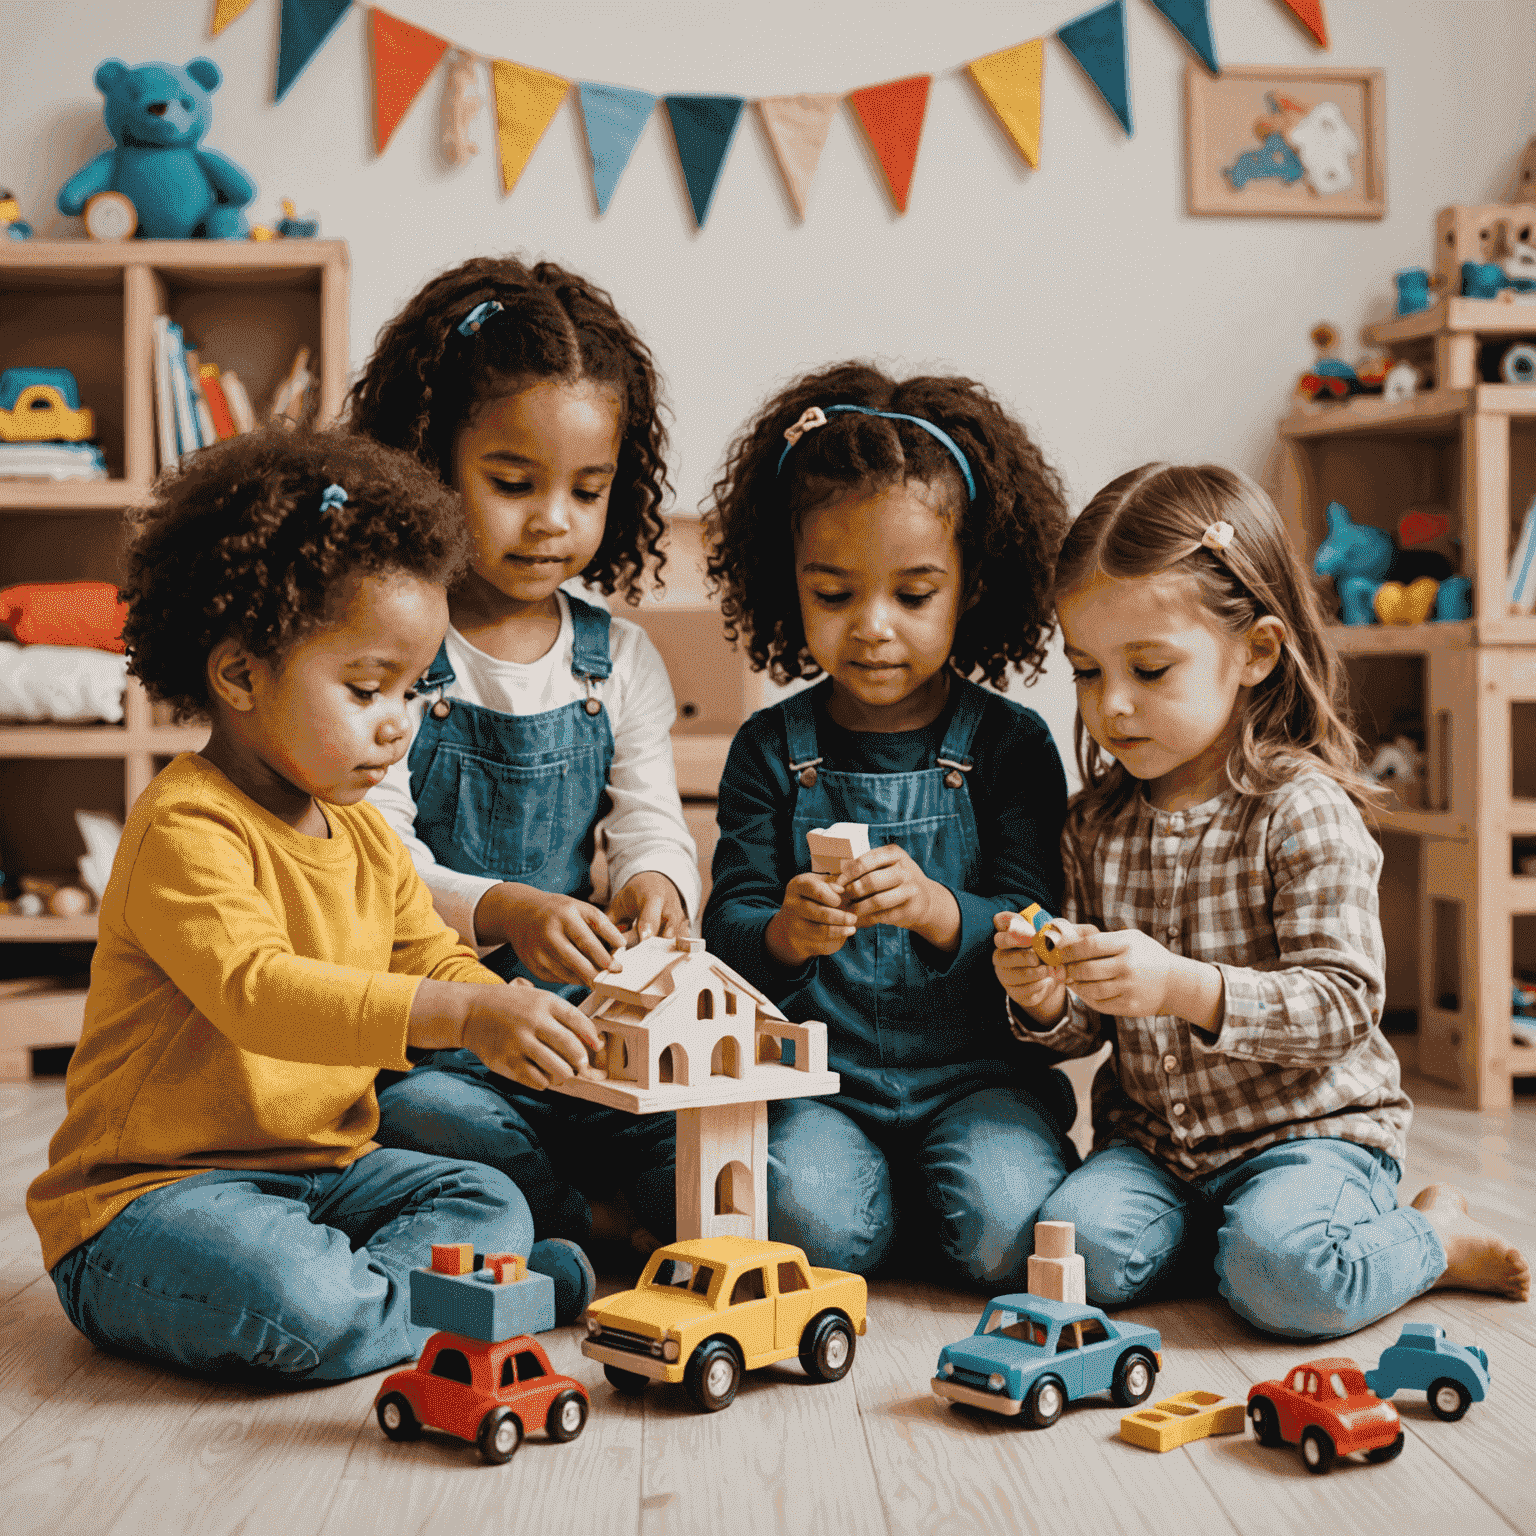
x=90, y=308
x=1469, y=688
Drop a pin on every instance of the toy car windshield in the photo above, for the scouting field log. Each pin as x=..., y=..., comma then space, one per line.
x=681, y=1275
x=1014, y=1325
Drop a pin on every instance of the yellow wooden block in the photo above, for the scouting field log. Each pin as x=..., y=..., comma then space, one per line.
x=1184, y=1417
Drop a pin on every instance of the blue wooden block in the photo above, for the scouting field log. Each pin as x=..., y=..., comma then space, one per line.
x=475, y=1306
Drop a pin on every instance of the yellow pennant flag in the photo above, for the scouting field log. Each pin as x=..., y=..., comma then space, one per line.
x=1010, y=81
x=526, y=100
x=226, y=11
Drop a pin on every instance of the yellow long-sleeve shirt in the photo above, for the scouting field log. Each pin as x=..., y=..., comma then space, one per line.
x=248, y=983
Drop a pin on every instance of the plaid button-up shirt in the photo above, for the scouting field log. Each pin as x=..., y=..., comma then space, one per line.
x=1279, y=894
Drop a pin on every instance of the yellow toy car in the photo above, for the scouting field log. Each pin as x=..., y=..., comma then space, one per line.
x=42, y=405
x=709, y=1309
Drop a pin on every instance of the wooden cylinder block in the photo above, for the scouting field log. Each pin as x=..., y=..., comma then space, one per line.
x=1055, y=1239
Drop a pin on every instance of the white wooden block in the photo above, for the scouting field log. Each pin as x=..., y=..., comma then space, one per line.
x=1058, y=1279
x=1055, y=1239
x=831, y=846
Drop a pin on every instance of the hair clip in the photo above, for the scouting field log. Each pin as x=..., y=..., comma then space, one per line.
x=809, y=421
x=1217, y=536
x=332, y=497
x=478, y=316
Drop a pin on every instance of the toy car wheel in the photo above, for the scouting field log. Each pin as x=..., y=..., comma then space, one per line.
x=567, y=1416
x=1448, y=1399
x=1135, y=1376
x=500, y=1435
x=713, y=1375
x=826, y=1347
x=1045, y=1402
x=1317, y=1450
x=1266, y=1422
x=1387, y=1452
x=1518, y=365
x=397, y=1419
x=630, y=1383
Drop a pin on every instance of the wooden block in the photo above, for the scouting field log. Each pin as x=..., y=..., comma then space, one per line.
x=1058, y=1279
x=1055, y=1239
x=1477, y=232
x=722, y=1171
x=453, y=1258
x=1186, y=1416
x=507, y=1267
x=832, y=846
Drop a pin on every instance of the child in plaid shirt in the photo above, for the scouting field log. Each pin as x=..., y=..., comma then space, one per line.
x=1253, y=1113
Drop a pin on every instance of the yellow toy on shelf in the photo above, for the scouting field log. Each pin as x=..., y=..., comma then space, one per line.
x=42, y=405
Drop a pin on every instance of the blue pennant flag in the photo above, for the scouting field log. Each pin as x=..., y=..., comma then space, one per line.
x=302, y=32
x=703, y=127
x=615, y=118
x=1097, y=41
x=1192, y=20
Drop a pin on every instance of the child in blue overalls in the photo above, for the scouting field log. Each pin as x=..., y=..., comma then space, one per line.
x=542, y=717
x=894, y=538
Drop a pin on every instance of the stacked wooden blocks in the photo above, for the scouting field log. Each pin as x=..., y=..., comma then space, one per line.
x=1055, y=1267
x=832, y=847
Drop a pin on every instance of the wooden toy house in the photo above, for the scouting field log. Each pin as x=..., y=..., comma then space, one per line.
x=684, y=1032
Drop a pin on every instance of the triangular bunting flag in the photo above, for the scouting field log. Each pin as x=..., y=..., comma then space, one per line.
x=703, y=127
x=526, y=100
x=1311, y=15
x=1097, y=41
x=1010, y=82
x=1192, y=20
x=226, y=11
x=892, y=115
x=304, y=27
x=797, y=131
x=614, y=117
x=403, y=57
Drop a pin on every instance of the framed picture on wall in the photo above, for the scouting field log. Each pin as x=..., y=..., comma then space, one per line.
x=1274, y=142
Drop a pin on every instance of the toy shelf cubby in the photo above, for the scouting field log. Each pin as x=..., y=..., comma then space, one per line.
x=1466, y=691
x=90, y=307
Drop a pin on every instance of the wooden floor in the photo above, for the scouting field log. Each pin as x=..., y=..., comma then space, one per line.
x=91, y=1443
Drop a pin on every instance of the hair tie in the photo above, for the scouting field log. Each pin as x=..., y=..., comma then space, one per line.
x=1217, y=536
x=478, y=316
x=332, y=497
x=806, y=424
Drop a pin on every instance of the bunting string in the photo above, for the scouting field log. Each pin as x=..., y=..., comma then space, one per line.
x=890, y=115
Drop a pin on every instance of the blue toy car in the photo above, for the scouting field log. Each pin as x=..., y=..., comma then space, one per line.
x=1030, y=1356
x=1452, y=1376
x=1276, y=159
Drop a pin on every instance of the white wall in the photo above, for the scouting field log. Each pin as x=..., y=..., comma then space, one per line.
x=1119, y=328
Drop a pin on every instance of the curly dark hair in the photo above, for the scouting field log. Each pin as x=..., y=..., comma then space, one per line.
x=1008, y=535
x=425, y=381
x=237, y=543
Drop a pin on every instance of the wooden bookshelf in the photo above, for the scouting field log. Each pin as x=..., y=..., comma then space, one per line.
x=90, y=308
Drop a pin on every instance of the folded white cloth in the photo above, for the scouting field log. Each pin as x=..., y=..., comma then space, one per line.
x=61, y=682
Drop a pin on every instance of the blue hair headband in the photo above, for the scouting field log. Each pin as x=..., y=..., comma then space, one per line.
x=817, y=417
x=478, y=316
x=331, y=497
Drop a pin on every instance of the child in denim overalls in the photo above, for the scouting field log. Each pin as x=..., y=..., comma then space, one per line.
x=896, y=537
x=542, y=717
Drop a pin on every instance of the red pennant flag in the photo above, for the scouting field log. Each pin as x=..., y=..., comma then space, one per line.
x=403, y=57
x=892, y=117
x=1311, y=15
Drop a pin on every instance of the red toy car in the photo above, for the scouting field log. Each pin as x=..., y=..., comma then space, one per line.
x=1327, y=1407
x=488, y=1393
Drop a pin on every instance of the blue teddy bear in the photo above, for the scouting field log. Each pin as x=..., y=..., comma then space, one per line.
x=157, y=113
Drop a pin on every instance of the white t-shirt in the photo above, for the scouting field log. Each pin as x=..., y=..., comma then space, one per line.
x=644, y=828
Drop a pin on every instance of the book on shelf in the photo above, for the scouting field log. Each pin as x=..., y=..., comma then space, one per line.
x=238, y=400
x=206, y=436
x=1522, y=566
x=218, y=406
x=165, y=407
x=290, y=401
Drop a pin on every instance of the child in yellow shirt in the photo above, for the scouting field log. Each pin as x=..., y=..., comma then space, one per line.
x=214, y=1198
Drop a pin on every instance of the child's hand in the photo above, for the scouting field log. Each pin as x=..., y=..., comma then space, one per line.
x=534, y=1037
x=1129, y=973
x=811, y=921
x=1036, y=988
x=885, y=885
x=647, y=905
x=557, y=937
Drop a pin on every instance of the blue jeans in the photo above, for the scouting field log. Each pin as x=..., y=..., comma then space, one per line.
x=288, y=1276
x=550, y=1145
x=1306, y=1237
x=971, y=1176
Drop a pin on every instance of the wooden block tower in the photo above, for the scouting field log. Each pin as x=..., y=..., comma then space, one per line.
x=1056, y=1268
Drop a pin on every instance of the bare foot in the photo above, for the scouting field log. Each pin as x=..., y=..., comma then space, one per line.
x=1477, y=1258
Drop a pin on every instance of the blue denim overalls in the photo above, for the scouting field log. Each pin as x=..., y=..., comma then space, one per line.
x=519, y=797
x=930, y=1080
